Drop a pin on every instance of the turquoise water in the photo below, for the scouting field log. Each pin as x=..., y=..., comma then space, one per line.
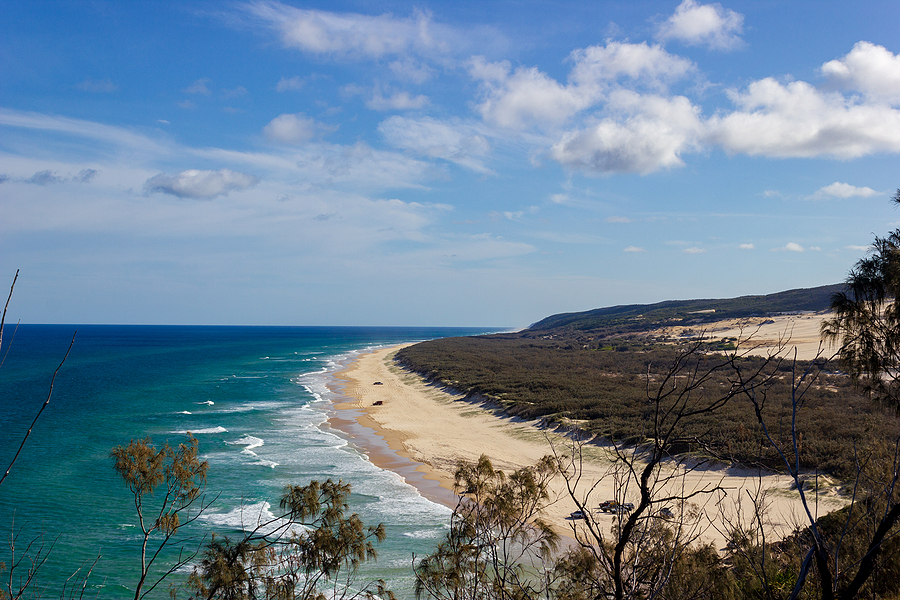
x=257, y=400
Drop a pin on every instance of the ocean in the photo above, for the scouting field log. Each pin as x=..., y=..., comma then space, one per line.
x=256, y=398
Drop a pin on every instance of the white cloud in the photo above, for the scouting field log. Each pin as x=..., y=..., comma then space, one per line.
x=641, y=64
x=694, y=250
x=859, y=248
x=790, y=247
x=650, y=133
x=103, y=86
x=352, y=34
x=868, y=68
x=396, y=101
x=289, y=83
x=527, y=97
x=194, y=183
x=633, y=249
x=291, y=129
x=797, y=120
x=455, y=142
x=198, y=87
x=746, y=246
x=618, y=220
x=844, y=190
x=703, y=25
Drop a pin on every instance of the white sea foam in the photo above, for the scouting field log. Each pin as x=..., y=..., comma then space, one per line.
x=424, y=534
x=250, y=516
x=207, y=430
x=185, y=412
x=249, y=441
x=208, y=402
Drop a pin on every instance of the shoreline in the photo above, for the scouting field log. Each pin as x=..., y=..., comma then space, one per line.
x=420, y=431
x=383, y=448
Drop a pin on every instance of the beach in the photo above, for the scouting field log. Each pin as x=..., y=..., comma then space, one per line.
x=421, y=431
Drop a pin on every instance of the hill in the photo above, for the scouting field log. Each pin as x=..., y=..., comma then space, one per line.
x=642, y=317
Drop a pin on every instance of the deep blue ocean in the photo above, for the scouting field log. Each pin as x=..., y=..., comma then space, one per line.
x=256, y=398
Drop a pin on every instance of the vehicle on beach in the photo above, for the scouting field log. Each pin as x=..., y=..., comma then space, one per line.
x=614, y=506
x=578, y=514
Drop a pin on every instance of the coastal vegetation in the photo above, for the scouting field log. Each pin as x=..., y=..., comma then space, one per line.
x=611, y=381
x=602, y=390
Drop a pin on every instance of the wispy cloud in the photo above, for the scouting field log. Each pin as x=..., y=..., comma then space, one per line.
x=289, y=83
x=102, y=86
x=200, y=86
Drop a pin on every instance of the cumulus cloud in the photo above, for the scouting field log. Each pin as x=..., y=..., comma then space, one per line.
x=455, y=142
x=844, y=190
x=703, y=25
x=868, y=68
x=746, y=246
x=527, y=97
x=102, y=86
x=649, y=133
x=633, y=249
x=195, y=183
x=396, y=101
x=640, y=64
x=694, y=250
x=291, y=129
x=797, y=120
x=352, y=34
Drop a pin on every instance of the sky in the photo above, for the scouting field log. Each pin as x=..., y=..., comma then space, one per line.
x=459, y=163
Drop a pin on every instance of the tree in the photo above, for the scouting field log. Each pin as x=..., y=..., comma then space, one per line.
x=652, y=548
x=498, y=543
x=181, y=475
x=844, y=550
x=866, y=323
x=312, y=545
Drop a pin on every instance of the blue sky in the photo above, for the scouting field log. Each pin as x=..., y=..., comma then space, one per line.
x=436, y=163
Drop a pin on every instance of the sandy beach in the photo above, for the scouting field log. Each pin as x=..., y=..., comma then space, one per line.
x=421, y=431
